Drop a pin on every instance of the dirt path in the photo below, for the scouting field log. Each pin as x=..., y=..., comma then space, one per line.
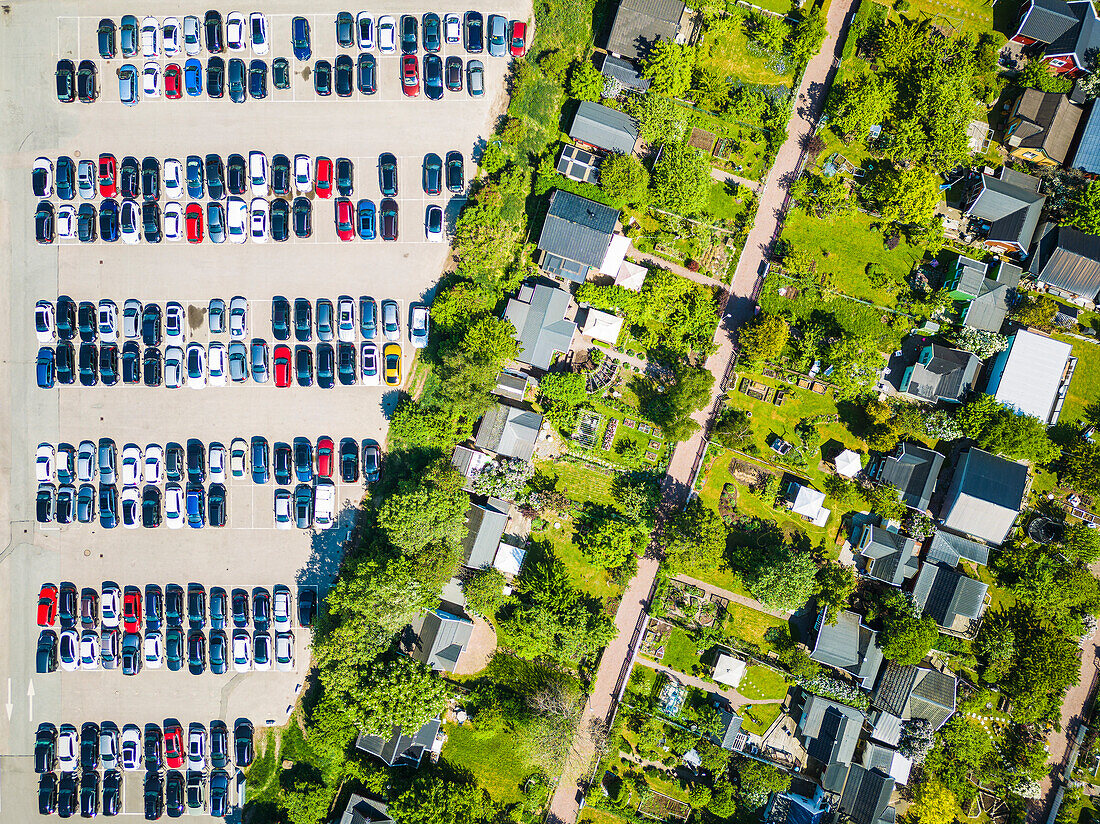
x=735, y=698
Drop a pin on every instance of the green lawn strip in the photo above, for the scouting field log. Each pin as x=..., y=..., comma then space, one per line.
x=681, y=652
x=967, y=15
x=762, y=683
x=1086, y=378
x=493, y=756
x=999, y=597
x=750, y=625
x=579, y=482
x=582, y=573
x=756, y=718
x=263, y=773
x=592, y=815
x=728, y=51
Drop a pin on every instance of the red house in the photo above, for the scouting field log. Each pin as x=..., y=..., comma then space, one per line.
x=1066, y=34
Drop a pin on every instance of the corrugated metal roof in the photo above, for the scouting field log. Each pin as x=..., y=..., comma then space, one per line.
x=640, y=23
x=849, y=645
x=577, y=228
x=1087, y=156
x=945, y=374
x=1069, y=260
x=913, y=469
x=1049, y=123
x=485, y=526
x=538, y=314
x=866, y=795
x=604, y=128
x=832, y=729
x=442, y=638
x=625, y=72
x=509, y=430
x=949, y=549
x=948, y=595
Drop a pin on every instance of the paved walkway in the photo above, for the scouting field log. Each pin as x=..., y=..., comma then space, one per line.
x=751, y=603
x=682, y=271
x=722, y=176
x=735, y=698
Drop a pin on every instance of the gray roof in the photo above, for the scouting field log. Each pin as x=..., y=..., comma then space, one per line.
x=885, y=727
x=462, y=458
x=441, y=638
x=942, y=373
x=1087, y=156
x=951, y=598
x=1068, y=260
x=485, y=527
x=849, y=645
x=831, y=729
x=990, y=307
x=985, y=496
x=579, y=164
x=915, y=692
x=1046, y=20
x=400, y=748
x=577, y=229
x=640, y=23
x=508, y=430
x=1048, y=121
x=888, y=556
x=511, y=384
x=1081, y=38
x=363, y=810
x=866, y=796
x=625, y=72
x=913, y=470
x=971, y=275
x=605, y=128
x=1011, y=204
x=731, y=728
x=950, y=549
x=538, y=313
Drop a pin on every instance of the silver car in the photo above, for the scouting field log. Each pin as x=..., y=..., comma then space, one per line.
x=107, y=461
x=391, y=324
x=86, y=462
x=418, y=326
x=131, y=318
x=173, y=367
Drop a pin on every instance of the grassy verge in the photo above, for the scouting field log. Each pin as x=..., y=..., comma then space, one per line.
x=758, y=717
x=750, y=625
x=1086, y=377
x=761, y=683
x=494, y=756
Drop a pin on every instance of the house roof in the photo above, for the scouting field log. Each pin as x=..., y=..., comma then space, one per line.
x=485, y=527
x=363, y=810
x=866, y=796
x=577, y=229
x=1012, y=204
x=951, y=598
x=602, y=326
x=729, y=670
x=509, y=430
x=831, y=729
x=1068, y=259
x=985, y=495
x=604, y=127
x=990, y=307
x=1028, y=374
x=849, y=645
x=1048, y=122
x=511, y=384
x=885, y=727
x=971, y=275
x=509, y=559
x=538, y=314
x=888, y=760
x=579, y=164
x=889, y=556
x=441, y=639
x=848, y=463
x=731, y=728
x=950, y=549
x=808, y=501
x=640, y=23
x=469, y=461
x=948, y=374
x=1087, y=156
x=1081, y=38
x=913, y=470
x=1047, y=20
x=625, y=72
x=915, y=692
x=400, y=748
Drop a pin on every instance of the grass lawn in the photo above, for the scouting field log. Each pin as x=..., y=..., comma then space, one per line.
x=641, y=684
x=966, y=15
x=750, y=625
x=758, y=717
x=761, y=683
x=591, y=815
x=582, y=572
x=1083, y=389
x=999, y=597
x=492, y=756
x=681, y=652
x=580, y=483
x=728, y=52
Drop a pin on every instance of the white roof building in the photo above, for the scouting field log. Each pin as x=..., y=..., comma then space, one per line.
x=729, y=670
x=848, y=464
x=808, y=503
x=1028, y=375
x=602, y=326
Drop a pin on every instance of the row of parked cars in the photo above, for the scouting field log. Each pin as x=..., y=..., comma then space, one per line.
x=133, y=507
x=162, y=751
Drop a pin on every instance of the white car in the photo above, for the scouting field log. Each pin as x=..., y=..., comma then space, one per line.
x=324, y=503
x=257, y=23
x=196, y=366
x=217, y=460
x=174, y=322
x=86, y=464
x=68, y=748
x=173, y=505
x=238, y=457
x=261, y=651
x=131, y=464
x=236, y=219
x=387, y=34
x=68, y=650
x=281, y=608
x=86, y=179
x=173, y=221
x=369, y=375
x=284, y=652
x=433, y=224
x=303, y=174
x=216, y=364
x=110, y=606
x=452, y=28
x=154, y=460
x=89, y=650
x=196, y=749
x=283, y=518
x=238, y=318
x=129, y=505
x=108, y=321
x=131, y=319
x=66, y=221
x=173, y=367
x=235, y=31
x=42, y=175
x=43, y=463
x=173, y=179
x=149, y=31
x=418, y=326
x=345, y=319
x=258, y=214
x=131, y=748
x=242, y=651
x=364, y=29
x=150, y=79
x=130, y=222
x=154, y=650
x=257, y=173
x=43, y=321
x=192, y=35
x=170, y=36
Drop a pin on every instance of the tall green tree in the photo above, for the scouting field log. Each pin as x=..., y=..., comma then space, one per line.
x=822, y=196
x=426, y=509
x=859, y=103
x=433, y=798
x=763, y=338
x=834, y=585
x=694, y=539
x=905, y=196
x=757, y=781
x=671, y=409
x=606, y=542
x=637, y=495
x=585, y=81
x=668, y=66
x=906, y=636
x=1085, y=209
x=681, y=179
x=625, y=179
x=398, y=691
x=484, y=591
x=786, y=584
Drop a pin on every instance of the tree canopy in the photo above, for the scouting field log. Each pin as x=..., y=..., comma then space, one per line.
x=763, y=338
x=681, y=179
x=625, y=179
x=906, y=636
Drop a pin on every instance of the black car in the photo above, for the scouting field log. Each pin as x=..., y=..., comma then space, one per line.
x=150, y=179
x=257, y=79
x=280, y=308
x=303, y=370
x=150, y=507
x=173, y=605
x=282, y=456
x=215, y=34
x=322, y=78
x=45, y=748
x=108, y=506
x=87, y=88
x=108, y=220
x=345, y=171
x=67, y=795
x=389, y=219
x=433, y=174
x=174, y=794
x=151, y=366
x=239, y=604
x=108, y=364
x=326, y=366
x=346, y=363
x=67, y=606
x=349, y=459
x=89, y=794
x=307, y=606
x=236, y=80
x=452, y=74
x=302, y=218
x=345, y=28
x=154, y=796
x=129, y=177
x=196, y=652
x=280, y=219
x=65, y=323
x=43, y=222
x=236, y=173
x=366, y=73
x=280, y=175
x=85, y=223
x=456, y=168
x=408, y=34
x=473, y=31
x=89, y=746
x=89, y=364
x=131, y=363
x=65, y=362
x=280, y=73
x=216, y=503
x=387, y=174
x=219, y=655
x=242, y=743
x=150, y=222
x=196, y=606
x=431, y=26
x=63, y=177
x=259, y=457
x=196, y=461
x=303, y=320
x=219, y=793
x=65, y=76
x=112, y=792
x=218, y=602
x=344, y=70
x=105, y=38
x=215, y=177
x=47, y=794
x=86, y=321
x=215, y=78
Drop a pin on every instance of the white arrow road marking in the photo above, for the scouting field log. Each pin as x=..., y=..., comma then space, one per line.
x=9, y=706
x=30, y=700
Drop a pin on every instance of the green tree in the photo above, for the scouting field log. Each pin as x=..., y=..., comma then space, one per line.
x=759, y=780
x=906, y=636
x=1081, y=544
x=607, y=543
x=625, y=179
x=733, y=430
x=585, y=81
x=1080, y=466
x=1038, y=75
x=433, y=799
x=567, y=387
x=807, y=37
x=681, y=179
x=637, y=495
x=769, y=31
x=822, y=196
x=934, y=804
x=484, y=592
x=834, y=585
x=859, y=103
x=669, y=66
x=995, y=648
x=415, y=423
x=999, y=429
x=659, y=119
x=905, y=195
x=468, y=369
x=885, y=500
x=1038, y=311
x=398, y=690
x=1085, y=209
x=856, y=362
x=671, y=409
x=426, y=509
x=763, y=338
x=787, y=584
x=694, y=539
x=723, y=799
x=305, y=801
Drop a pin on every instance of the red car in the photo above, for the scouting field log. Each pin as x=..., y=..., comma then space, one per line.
x=282, y=366
x=131, y=610
x=345, y=229
x=194, y=222
x=107, y=186
x=173, y=85
x=47, y=605
x=173, y=746
x=324, y=177
x=410, y=75
x=518, y=39
x=325, y=448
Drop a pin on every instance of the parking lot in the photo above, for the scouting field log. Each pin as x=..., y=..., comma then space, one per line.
x=33, y=36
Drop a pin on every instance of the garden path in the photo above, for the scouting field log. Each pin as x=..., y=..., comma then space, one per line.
x=744, y=600
x=722, y=176
x=735, y=698
x=676, y=268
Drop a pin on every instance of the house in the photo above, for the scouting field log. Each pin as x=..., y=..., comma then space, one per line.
x=955, y=601
x=579, y=164
x=402, y=749
x=601, y=326
x=538, y=314
x=604, y=129
x=729, y=670
x=1065, y=34
x=951, y=549
x=1005, y=210
x=794, y=808
x=910, y=692
x=509, y=431
x=865, y=798
x=441, y=638
x=362, y=810
x=469, y=461
x=1086, y=156
x=985, y=298
x=887, y=555
x=625, y=72
x=639, y=24
x=730, y=736
x=913, y=470
x=941, y=374
x=576, y=237
x=631, y=276
x=1067, y=261
x=1032, y=374
x=831, y=730
x=985, y=496
x=887, y=759
x=485, y=527
x=509, y=559
x=511, y=385
x=848, y=464
x=807, y=502
x=849, y=645
x=1042, y=127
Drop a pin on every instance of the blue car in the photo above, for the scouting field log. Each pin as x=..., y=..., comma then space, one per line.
x=196, y=506
x=108, y=506
x=45, y=367
x=108, y=220
x=260, y=460
x=194, y=177
x=63, y=177
x=128, y=84
x=364, y=219
x=192, y=77
x=299, y=37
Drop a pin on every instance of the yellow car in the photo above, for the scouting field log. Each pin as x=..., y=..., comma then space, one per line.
x=391, y=359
